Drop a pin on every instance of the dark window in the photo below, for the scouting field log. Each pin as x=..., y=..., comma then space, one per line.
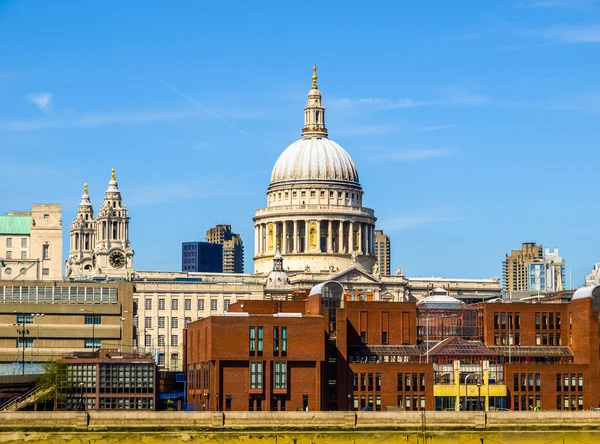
x=275, y=341
x=259, y=346
x=377, y=382
x=399, y=383
x=370, y=382
x=281, y=375
x=516, y=402
x=93, y=319
x=558, y=383
x=422, y=382
x=538, y=382
x=516, y=382
x=558, y=325
x=503, y=321
x=496, y=320
x=283, y=341
x=363, y=337
x=510, y=321
x=355, y=383
x=537, y=321
x=252, y=340
x=256, y=371
x=544, y=321
x=517, y=321
x=551, y=320
x=363, y=382
x=558, y=402
x=384, y=337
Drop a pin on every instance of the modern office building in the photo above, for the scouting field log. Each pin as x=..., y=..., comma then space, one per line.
x=233, y=247
x=547, y=273
x=514, y=267
x=42, y=321
x=109, y=382
x=435, y=354
x=31, y=244
x=201, y=257
x=382, y=252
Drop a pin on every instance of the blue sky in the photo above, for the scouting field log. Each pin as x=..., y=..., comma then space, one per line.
x=474, y=125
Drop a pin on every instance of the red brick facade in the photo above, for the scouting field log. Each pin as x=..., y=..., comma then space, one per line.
x=383, y=355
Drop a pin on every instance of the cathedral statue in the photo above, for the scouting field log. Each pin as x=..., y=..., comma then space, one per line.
x=376, y=268
x=68, y=269
x=398, y=271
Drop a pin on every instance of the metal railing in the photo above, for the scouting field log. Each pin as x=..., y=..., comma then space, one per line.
x=28, y=397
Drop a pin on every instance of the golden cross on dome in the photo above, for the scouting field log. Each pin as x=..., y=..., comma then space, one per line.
x=314, y=77
x=113, y=174
x=85, y=188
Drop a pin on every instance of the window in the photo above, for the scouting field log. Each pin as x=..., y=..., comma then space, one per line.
x=174, y=304
x=24, y=342
x=256, y=371
x=174, y=340
x=259, y=347
x=283, y=341
x=275, y=341
x=384, y=337
x=252, y=340
x=551, y=320
x=148, y=322
x=93, y=319
x=370, y=382
x=558, y=325
x=161, y=304
x=148, y=341
x=422, y=382
x=23, y=255
x=45, y=272
x=174, y=322
x=363, y=382
x=544, y=321
x=23, y=242
x=135, y=321
x=281, y=375
x=355, y=382
x=537, y=321
x=24, y=319
x=148, y=304
x=517, y=321
x=46, y=216
x=200, y=304
x=161, y=340
x=9, y=242
x=45, y=251
x=538, y=382
x=377, y=382
x=213, y=305
x=187, y=304
x=187, y=321
x=580, y=382
x=538, y=339
x=8, y=270
x=161, y=322
x=93, y=343
x=503, y=321
x=9, y=255
x=226, y=303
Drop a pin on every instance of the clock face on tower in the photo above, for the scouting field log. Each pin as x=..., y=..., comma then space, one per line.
x=116, y=259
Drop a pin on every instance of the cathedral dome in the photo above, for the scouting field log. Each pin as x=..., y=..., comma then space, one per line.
x=314, y=159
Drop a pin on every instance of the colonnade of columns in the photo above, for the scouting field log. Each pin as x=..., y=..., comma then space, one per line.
x=334, y=236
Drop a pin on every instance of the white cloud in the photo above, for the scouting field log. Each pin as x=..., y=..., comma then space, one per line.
x=418, y=154
x=419, y=218
x=42, y=100
x=570, y=34
x=384, y=104
x=434, y=128
x=94, y=120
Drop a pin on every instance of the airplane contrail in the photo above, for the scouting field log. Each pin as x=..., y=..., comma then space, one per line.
x=175, y=90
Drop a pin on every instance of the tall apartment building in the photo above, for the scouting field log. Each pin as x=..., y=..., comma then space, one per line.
x=31, y=244
x=201, y=257
x=233, y=247
x=382, y=252
x=514, y=267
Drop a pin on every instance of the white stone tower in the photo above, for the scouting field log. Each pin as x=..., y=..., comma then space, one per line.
x=314, y=212
x=113, y=256
x=82, y=237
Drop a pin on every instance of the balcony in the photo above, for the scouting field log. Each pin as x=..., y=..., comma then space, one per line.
x=311, y=208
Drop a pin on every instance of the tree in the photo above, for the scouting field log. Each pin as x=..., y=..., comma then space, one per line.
x=56, y=384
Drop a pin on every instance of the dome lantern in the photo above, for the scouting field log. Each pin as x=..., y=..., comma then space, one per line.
x=314, y=112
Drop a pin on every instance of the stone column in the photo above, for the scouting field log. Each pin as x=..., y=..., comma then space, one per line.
x=295, y=237
x=306, y=223
x=284, y=238
x=256, y=236
x=350, y=237
x=330, y=237
x=319, y=235
x=275, y=236
x=360, y=239
x=341, y=237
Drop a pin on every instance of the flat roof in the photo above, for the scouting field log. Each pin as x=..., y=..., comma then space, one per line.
x=15, y=224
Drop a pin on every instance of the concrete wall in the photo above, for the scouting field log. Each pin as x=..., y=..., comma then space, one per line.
x=410, y=421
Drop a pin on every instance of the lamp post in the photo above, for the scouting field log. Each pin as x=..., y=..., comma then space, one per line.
x=479, y=395
x=22, y=331
x=39, y=316
x=93, y=327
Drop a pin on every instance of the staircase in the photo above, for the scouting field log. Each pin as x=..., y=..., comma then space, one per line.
x=21, y=401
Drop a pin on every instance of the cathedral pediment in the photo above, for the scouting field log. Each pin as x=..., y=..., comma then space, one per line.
x=355, y=275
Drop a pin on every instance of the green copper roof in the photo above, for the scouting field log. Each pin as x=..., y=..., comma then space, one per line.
x=15, y=224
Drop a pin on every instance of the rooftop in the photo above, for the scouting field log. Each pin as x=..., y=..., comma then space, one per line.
x=12, y=224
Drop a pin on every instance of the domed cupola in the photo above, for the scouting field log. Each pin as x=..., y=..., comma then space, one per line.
x=314, y=215
x=314, y=157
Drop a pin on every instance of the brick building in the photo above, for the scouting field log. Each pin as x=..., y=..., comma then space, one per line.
x=436, y=354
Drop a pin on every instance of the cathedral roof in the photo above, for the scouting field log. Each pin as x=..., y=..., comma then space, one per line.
x=314, y=157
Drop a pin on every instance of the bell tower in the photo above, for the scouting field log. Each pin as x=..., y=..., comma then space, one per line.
x=113, y=256
x=82, y=237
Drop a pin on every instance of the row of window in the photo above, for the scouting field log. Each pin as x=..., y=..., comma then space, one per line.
x=545, y=321
x=526, y=402
x=28, y=343
x=8, y=270
x=566, y=402
x=367, y=400
x=124, y=403
x=187, y=304
x=256, y=341
x=366, y=382
x=525, y=382
x=161, y=341
x=280, y=375
x=501, y=318
x=548, y=339
x=162, y=322
x=9, y=254
x=507, y=339
x=411, y=382
x=562, y=382
x=9, y=242
x=313, y=193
